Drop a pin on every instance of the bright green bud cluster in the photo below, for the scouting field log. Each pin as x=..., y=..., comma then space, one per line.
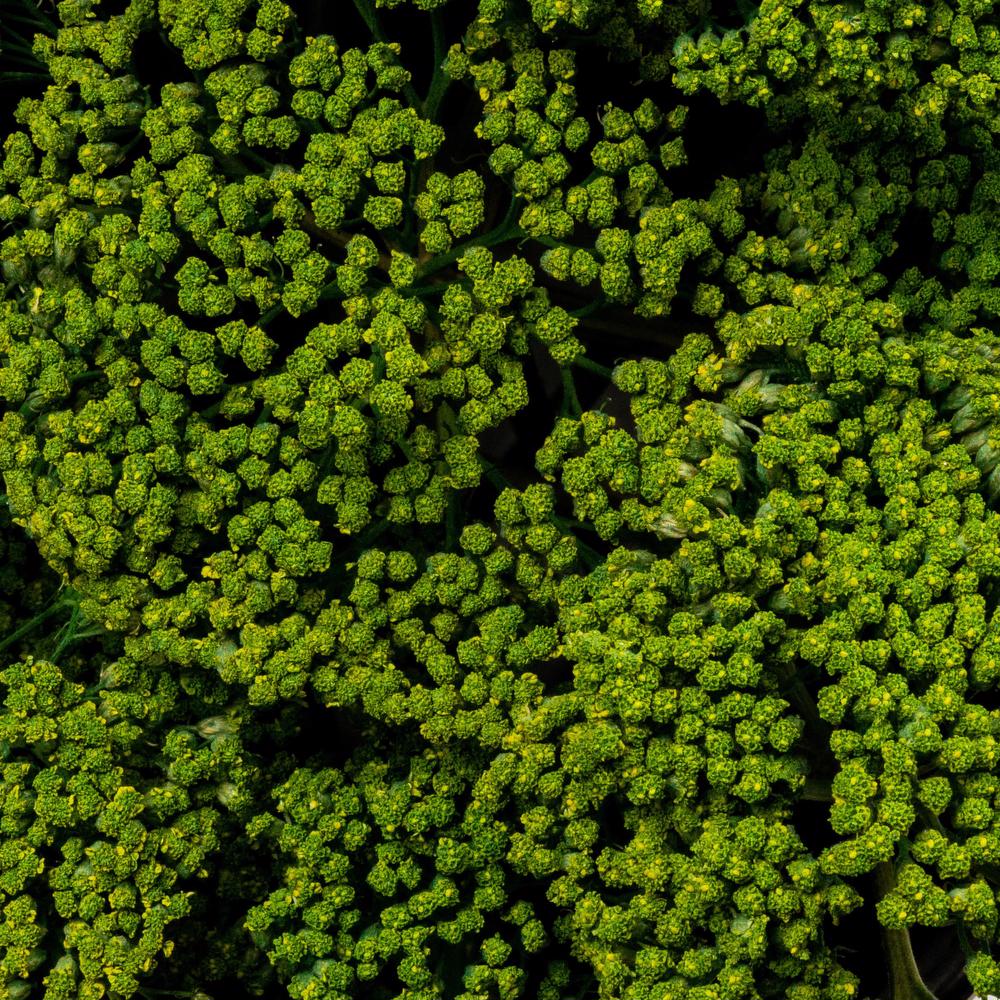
x=499, y=499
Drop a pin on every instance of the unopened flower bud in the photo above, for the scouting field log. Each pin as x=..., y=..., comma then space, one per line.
x=993, y=484
x=937, y=438
x=734, y=436
x=731, y=372
x=224, y=650
x=215, y=725
x=966, y=419
x=755, y=379
x=957, y=398
x=987, y=458
x=666, y=526
x=975, y=440
x=721, y=499
x=226, y=793
x=769, y=395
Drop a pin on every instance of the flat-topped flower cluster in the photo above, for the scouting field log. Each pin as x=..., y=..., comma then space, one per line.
x=313, y=685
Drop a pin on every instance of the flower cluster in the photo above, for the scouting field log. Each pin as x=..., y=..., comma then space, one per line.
x=463, y=522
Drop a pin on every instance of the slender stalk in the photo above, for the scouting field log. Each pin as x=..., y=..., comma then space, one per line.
x=493, y=474
x=590, y=308
x=418, y=291
x=505, y=230
x=148, y=991
x=257, y=159
x=571, y=402
x=666, y=332
x=905, y=980
x=67, y=634
x=368, y=15
x=37, y=18
x=134, y=141
x=590, y=556
x=440, y=80
x=15, y=54
x=592, y=366
x=447, y=421
x=30, y=626
x=451, y=522
x=419, y=171
x=331, y=290
x=797, y=692
x=268, y=316
x=21, y=41
x=340, y=238
x=36, y=28
x=816, y=790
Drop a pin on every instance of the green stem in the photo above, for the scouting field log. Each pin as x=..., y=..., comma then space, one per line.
x=210, y=412
x=589, y=309
x=148, y=991
x=440, y=80
x=590, y=556
x=34, y=404
x=30, y=626
x=504, y=230
x=404, y=447
x=493, y=474
x=68, y=634
x=592, y=366
x=418, y=291
x=331, y=290
x=365, y=540
x=925, y=814
x=418, y=171
x=36, y=17
x=574, y=523
x=134, y=141
x=548, y=241
x=368, y=15
x=20, y=56
x=963, y=942
x=571, y=402
x=451, y=522
x=816, y=790
x=89, y=633
x=271, y=313
x=906, y=982
x=20, y=41
x=798, y=694
x=446, y=420
x=256, y=158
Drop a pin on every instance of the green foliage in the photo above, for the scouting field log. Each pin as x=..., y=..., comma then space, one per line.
x=477, y=507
